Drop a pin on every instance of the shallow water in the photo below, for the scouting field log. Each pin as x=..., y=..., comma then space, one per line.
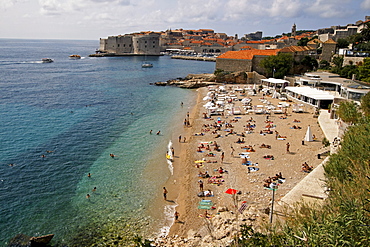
x=81, y=111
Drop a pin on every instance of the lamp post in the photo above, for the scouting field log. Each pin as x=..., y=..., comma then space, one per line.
x=273, y=187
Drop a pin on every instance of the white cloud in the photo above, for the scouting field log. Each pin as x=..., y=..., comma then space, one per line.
x=365, y=4
x=51, y=7
x=6, y=4
x=284, y=9
x=331, y=8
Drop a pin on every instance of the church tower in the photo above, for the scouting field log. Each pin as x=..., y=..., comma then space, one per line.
x=294, y=30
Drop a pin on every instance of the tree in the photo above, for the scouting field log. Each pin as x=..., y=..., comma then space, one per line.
x=365, y=32
x=348, y=112
x=303, y=42
x=342, y=43
x=365, y=104
x=364, y=70
x=324, y=64
x=277, y=66
x=338, y=61
x=309, y=62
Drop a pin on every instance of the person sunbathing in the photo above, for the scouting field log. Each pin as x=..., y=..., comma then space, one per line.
x=296, y=127
x=279, y=136
x=244, y=161
x=211, y=161
x=240, y=141
x=296, y=121
x=203, y=175
x=263, y=145
x=306, y=167
x=199, y=134
x=249, y=148
x=277, y=176
x=210, y=154
x=268, y=131
x=221, y=170
x=267, y=183
x=268, y=156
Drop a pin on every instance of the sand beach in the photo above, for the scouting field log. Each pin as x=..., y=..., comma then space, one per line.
x=242, y=151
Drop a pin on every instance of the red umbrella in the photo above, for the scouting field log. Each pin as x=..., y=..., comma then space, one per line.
x=231, y=191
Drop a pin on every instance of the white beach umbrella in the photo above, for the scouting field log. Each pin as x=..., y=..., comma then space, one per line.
x=207, y=98
x=208, y=104
x=308, y=137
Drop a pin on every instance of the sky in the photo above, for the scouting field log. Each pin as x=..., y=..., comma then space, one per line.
x=94, y=19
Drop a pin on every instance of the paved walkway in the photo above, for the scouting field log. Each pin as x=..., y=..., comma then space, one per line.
x=312, y=187
x=328, y=126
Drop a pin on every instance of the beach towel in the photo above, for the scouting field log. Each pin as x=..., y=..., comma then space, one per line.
x=253, y=169
x=248, y=163
x=243, y=207
x=204, y=207
x=206, y=203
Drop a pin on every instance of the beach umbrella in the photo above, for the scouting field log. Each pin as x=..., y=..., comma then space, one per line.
x=231, y=191
x=207, y=98
x=308, y=137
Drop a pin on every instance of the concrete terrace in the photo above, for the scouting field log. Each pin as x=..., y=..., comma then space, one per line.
x=312, y=188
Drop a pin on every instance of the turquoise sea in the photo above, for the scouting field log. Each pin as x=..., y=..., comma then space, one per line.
x=62, y=120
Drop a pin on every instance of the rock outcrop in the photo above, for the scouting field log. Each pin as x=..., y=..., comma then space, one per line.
x=204, y=80
x=221, y=230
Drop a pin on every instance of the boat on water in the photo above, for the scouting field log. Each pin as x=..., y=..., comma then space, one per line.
x=147, y=65
x=47, y=60
x=75, y=56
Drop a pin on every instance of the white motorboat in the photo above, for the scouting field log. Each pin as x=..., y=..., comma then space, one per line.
x=147, y=65
x=47, y=60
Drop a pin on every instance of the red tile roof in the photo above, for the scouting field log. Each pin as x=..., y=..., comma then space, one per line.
x=295, y=48
x=248, y=54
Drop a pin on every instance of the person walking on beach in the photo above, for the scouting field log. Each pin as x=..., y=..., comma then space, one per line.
x=177, y=216
x=184, y=139
x=232, y=151
x=200, y=184
x=173, y=151
x=222, y=157
x=180, y=138
x=165, y=193
x=287, y=147
x=276, y=135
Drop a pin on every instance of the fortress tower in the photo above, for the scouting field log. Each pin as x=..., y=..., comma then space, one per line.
x=294, y=30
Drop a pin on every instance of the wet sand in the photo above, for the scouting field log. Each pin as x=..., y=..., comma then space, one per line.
x=183, y=186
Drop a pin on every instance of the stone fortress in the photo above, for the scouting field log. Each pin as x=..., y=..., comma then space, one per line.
x=207, y=41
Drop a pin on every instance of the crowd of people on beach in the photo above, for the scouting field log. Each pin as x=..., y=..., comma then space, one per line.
x=210, y=154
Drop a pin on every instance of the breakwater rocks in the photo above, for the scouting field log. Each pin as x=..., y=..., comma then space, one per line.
x=203, y=80
x=190, y=81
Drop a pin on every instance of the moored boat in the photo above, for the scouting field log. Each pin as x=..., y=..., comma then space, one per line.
x=147, y=65
x=75, y=56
